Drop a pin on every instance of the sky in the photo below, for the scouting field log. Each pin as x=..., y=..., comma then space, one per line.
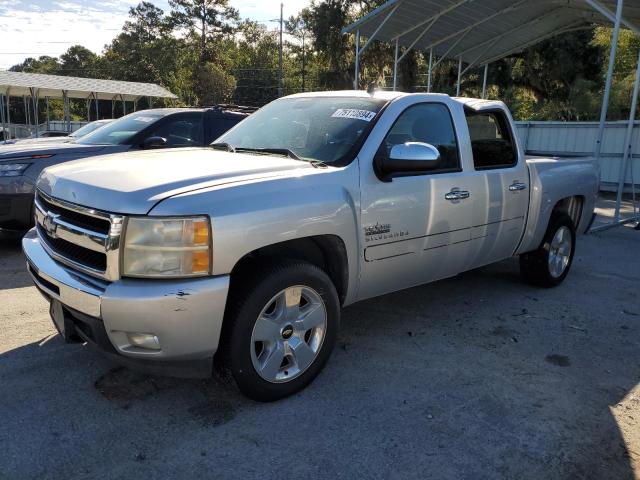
x=30, y=28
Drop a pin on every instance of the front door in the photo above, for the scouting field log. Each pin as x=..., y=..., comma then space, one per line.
x=416, y=228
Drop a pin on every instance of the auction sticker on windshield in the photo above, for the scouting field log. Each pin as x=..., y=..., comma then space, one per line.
x=365, y=115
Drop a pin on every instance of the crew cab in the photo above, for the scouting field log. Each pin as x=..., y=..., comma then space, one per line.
x=246, y=251
x=22, y=162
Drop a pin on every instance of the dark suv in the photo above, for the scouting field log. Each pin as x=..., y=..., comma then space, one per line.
x=20, y=165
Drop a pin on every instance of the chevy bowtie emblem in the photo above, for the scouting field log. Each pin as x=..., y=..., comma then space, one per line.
x=49, y=224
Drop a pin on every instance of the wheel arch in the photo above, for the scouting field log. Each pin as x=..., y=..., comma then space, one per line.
x=572, y=206
x=327, y=252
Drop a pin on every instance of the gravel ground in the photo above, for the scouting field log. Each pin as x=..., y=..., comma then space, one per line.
x=476, y=377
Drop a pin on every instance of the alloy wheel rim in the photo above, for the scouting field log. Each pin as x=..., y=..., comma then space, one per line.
x=288, y=334
x=560, y=252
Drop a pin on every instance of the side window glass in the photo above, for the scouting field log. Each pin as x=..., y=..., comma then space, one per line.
x=183, y=131
x=426, y=123
x=491, y=141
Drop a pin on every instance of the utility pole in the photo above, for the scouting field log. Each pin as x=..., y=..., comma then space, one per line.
x=280, y=80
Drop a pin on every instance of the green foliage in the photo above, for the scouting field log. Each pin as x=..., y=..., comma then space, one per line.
x=203, y=53
x=205, y=20
x=213, y=84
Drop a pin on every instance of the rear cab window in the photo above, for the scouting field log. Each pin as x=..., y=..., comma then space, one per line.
x=492, y=140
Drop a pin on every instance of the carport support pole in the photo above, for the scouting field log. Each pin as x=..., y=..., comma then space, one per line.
x=395, y=67
x=47, y=102
x=628, y=147
x=26, y=111
x=95, y=97
x=8, y=95
x=607, y=88
x=34, y=103
x=484, y=81
x=4, y=123
x=430, y=70
x=459, y=77
x=357, y=72
x=66, y=108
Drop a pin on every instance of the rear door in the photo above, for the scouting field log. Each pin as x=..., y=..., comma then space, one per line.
x=500, y=163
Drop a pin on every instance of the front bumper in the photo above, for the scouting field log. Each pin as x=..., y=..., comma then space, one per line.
x=185, y=315
x=16, y=203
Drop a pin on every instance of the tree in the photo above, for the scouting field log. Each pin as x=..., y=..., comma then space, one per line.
x=148, y=23
x=298, y=28
x=43, y=64
x=255, y=63
x=213, y=84
x=204, y=19
x=325, y=20
x=79, y=61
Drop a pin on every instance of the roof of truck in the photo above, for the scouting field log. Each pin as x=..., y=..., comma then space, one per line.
x=474, y=103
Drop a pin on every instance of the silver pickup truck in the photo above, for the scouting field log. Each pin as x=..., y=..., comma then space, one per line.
x=247, y=250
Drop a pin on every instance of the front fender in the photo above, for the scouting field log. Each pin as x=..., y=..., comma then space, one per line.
x=248, y=216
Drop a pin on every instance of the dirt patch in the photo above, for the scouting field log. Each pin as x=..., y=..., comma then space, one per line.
x=213, y=412
x=123, y=386
x=558, y=360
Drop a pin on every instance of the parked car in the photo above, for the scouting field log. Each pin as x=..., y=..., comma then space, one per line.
x=163, y=259
x=63, y=137
x=20, y=164
x=49, y=134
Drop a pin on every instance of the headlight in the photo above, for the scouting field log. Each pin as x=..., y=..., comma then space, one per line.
x=167, y=247
x=12, y=169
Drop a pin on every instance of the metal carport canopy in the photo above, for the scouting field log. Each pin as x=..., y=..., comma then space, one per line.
x=481, y=31
x=478, y=32
x=20, y=84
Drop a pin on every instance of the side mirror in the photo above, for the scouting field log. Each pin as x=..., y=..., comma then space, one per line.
x=409, y=157
x=154, y=142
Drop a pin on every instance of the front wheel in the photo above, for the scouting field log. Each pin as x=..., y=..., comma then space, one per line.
x=549, y=265
x=280, y=329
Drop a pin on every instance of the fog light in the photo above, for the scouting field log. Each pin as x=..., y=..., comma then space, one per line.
x=144, y=340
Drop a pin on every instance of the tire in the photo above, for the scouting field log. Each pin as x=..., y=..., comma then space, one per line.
x=259, y=329
x=549, y=265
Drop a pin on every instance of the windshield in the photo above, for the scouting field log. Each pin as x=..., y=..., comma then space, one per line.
x=313, y=128
x=120, y=131
x=87, y=129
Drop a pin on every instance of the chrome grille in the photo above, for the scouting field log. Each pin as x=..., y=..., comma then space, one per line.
x=82, y=238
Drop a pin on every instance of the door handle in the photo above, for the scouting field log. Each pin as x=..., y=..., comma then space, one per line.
x=517, y=186
x=455, y=195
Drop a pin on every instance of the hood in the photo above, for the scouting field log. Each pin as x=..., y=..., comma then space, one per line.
x=134, y=182
x=40, y=141
x=28, y=149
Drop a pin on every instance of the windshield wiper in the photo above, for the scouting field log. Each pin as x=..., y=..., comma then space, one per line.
x=276, y=151
x=318, y=164
x=223, y=146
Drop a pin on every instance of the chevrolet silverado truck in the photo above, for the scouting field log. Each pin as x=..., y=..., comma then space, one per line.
x=22, y=162
x=245, y=252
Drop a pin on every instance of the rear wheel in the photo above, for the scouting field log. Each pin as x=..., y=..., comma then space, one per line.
x=550, y=264
x=280, y=329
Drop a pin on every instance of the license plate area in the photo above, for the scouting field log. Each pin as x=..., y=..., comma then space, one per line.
x=63, y=324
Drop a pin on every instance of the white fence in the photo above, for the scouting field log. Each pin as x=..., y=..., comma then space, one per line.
x=579, y=138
